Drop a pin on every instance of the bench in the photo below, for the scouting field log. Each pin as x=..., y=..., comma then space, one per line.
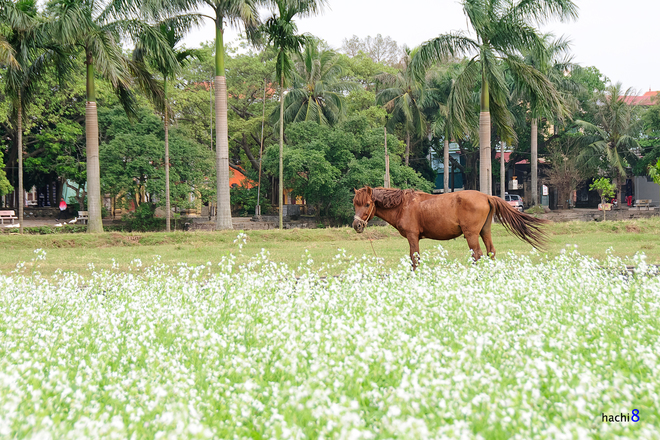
x=643, y=203
x=7, y=215
x=82, y=216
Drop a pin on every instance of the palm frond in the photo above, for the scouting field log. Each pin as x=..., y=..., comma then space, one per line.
x=7, y=54
x=440, y=49
x=145, y=81
x=542, y=10
x=546, y=99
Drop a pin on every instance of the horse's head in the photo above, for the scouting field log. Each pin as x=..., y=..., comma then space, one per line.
x=365, y=208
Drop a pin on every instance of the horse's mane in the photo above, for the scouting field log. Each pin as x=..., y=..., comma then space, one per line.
x=385, y=197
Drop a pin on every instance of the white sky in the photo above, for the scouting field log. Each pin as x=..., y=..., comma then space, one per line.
x=619, y=38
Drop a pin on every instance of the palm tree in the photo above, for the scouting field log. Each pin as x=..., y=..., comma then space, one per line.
x=612, y=137
x=232, y=13
x=502, y=28
x=173, y=30
x=281, y=32
x=96, y=28
x=18, y=52
x=30, y=53
x=317, y=88
x=402, y=101
x=440, y=100
x=552, y=62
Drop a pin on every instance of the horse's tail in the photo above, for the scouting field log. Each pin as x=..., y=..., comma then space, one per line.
x=523, y=226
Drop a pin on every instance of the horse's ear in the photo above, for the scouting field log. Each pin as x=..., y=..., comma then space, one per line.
x=369, y=191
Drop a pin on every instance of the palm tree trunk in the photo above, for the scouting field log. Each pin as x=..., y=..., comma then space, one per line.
x=386, y=183
x=619, y=182
x=95, y=222
x=281, y=183
x=445, y=159
x=223, y=217
x=484, y=139
x=535, y=162
x=407, y=148
x=19, y=127
x=502, y=172
x=168, y=212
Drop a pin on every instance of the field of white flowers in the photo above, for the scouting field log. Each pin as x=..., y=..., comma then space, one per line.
x=512, y=348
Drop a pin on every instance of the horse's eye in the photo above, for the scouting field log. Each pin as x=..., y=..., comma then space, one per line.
x=367, y=205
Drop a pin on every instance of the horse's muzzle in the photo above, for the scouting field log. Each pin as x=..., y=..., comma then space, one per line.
x=358, y=225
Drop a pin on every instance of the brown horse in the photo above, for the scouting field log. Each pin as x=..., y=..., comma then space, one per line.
x=419, y=215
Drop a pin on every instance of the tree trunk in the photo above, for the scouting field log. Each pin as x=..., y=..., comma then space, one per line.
x=407, y=148
x=223, y=217
x=502, y=172
x=484, y=152
x=484, y=138
x=95, y=222
x=620, y=179
x=19, y=127
x=535, y=162
x=445, y=159
x=387, y=183
x=168, y=211
x=281, y=175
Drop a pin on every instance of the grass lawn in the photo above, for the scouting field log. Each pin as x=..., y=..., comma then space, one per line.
x=74, y=252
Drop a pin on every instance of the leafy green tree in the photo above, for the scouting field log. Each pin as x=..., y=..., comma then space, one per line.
x=402, y=101
x=318, y=87
x=439, y=103
x=96, y=29
x=365, y=71
x=551, y=60
x=382, y=50
x=611, y=141
x=5, y=186
x=251, y=99
x=23, y=67
x=654, y=172
x=502, y=29
x=133, y=160
x=173, y=30
x=281, y=31
x=649, y=141
x=605, y=190
x=323, y=163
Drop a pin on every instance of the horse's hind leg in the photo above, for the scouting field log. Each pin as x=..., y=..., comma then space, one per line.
x=473, y=242
x=488, y=242
x=487, y=237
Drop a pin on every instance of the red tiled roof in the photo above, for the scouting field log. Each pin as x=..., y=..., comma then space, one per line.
x=648, y=98
x=237, y=178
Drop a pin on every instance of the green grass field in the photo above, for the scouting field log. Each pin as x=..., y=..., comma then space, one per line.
x=206, y=336
x=74, y=252
x=516, y=348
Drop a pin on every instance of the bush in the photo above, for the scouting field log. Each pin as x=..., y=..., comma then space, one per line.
x=535, y=210
x=142, y=219
x=244, y=200
x=48, y=230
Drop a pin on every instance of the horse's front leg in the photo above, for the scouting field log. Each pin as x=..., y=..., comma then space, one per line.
x=413, y=241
